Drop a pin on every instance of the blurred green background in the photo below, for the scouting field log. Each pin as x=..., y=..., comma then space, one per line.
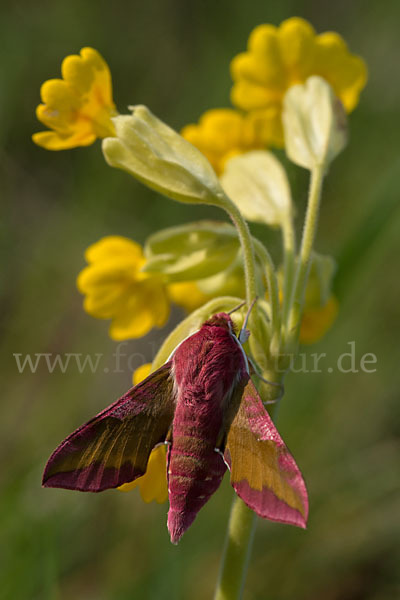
x=173, y=55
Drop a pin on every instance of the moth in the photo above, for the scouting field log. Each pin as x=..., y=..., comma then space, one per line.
x=203, y=404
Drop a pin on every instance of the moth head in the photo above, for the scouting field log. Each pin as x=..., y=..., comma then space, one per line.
x=222, y=320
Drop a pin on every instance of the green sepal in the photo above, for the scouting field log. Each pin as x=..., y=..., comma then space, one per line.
x=257, y=183
x=260, y=335
x=314, y=122
x=190, y=252
x=319, y=285
x=231, y=282
x=160, y=158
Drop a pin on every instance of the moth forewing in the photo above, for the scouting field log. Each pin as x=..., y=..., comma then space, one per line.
x=113, y=448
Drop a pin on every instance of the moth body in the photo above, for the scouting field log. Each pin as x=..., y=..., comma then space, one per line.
x=206, y=369
x=204, y=404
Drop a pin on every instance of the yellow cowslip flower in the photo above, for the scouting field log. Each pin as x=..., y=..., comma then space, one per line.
x=153, y=484
x=78, y=107
x=317, y=320
x=187, y=294
x=223, y=133
x=141, y=373
x=115, y=288
x=279, y=57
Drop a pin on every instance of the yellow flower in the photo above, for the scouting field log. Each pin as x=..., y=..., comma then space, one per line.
x=153, y=484
x=223, y=133
x=317, y=320
x=187, y=294
x=115, y=288
x=279, y=57
x=78, y=107
x=141, y=373
x=320, y=305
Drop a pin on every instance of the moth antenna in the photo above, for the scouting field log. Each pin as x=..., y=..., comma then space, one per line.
x=244, y=333
x=236, y=307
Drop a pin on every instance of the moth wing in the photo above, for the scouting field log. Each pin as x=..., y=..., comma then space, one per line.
x=263, y=472
x=114, y=447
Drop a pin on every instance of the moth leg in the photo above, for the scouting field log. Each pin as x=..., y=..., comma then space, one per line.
x=168, y=444
x=218, y=451
x=273, y=383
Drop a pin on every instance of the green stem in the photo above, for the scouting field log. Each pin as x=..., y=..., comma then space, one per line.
x=247, y=246
x=289, y=244
x=303, y=267
x=238, y=543
x=273, y=292
x=242, y=520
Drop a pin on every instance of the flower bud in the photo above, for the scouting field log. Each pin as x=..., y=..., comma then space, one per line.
x=257, y=184
x=315, y=123
x=191, y=251
x=160, y=158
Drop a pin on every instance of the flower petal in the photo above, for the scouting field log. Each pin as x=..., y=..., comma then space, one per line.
x=278, y=58
x=146, y=309
x=317, y=321
x=51, y=140
x=297, y=45
x=114, y=245
x=78, y=107
x=248, y=95
x=107, y=301
x=187, y=294
x=346, y=72
x=82, y=72
x=223, y=133
x=59, y=96
x=263, y=62
x=116, y=271
x=141, y=373
x=131, y=323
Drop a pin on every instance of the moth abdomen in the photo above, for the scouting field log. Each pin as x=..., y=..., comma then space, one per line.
x=195, y=469
x=192, y=478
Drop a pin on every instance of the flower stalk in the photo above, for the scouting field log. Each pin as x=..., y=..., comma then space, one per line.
x=289, y=250
x=303, y=266
x=238, y=547
x=246, y=244
x=273, y=292
x=236, y=557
